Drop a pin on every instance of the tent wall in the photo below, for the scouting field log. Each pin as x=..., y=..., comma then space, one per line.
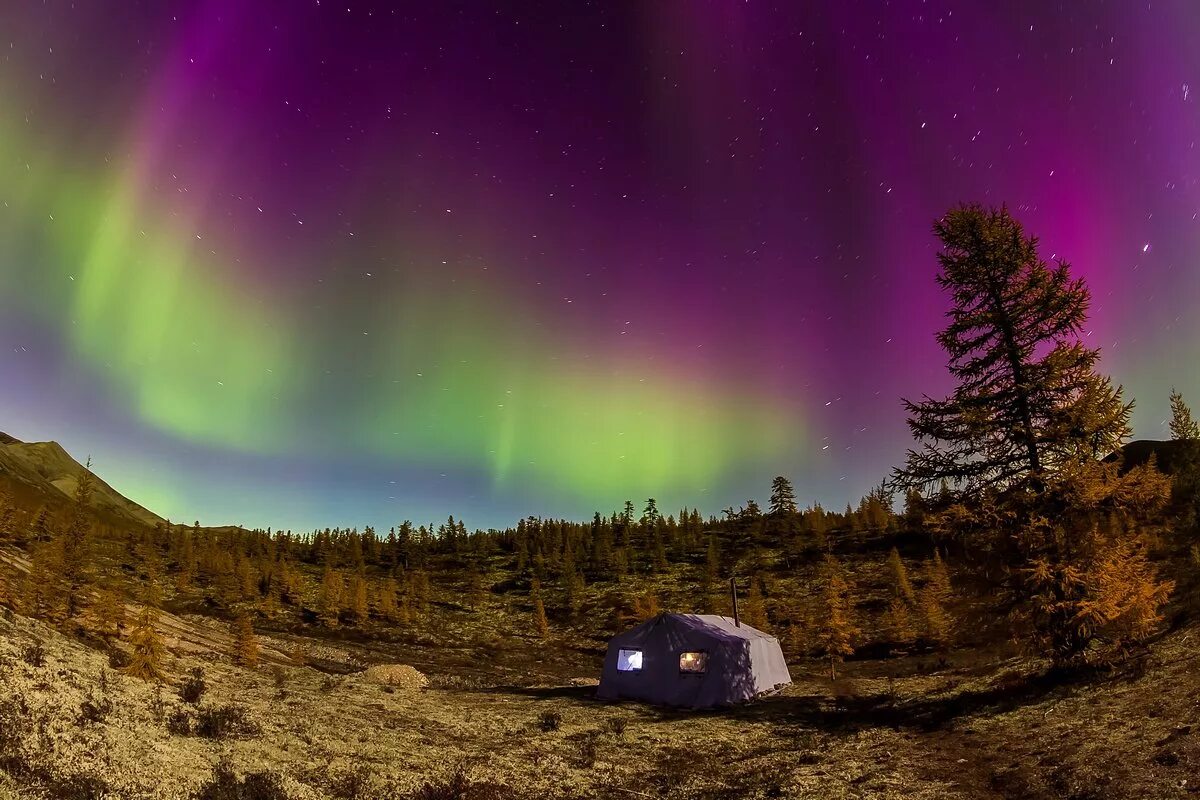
x=741, y=664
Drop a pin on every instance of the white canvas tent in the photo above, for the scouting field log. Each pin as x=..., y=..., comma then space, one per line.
x=692, y=661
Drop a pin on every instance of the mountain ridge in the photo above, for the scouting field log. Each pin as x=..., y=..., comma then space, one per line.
x=48, y=468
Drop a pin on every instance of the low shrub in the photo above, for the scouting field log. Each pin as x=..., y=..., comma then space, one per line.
x=34, y=655
x=224, y=722
x=179, y=722
x=94, y=710
x=225, y=785
x=550, y=721
x=459, y=787
x=355, y=784
x=193, y=686
x=118, y=659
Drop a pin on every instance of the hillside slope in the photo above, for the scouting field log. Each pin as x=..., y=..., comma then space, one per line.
x=46, y=468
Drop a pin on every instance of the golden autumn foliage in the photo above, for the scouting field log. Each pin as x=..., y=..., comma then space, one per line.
x=834, y=625
x=148, y=656
x=245, y=645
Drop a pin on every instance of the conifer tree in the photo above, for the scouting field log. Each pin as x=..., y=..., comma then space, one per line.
x=1018, y=443
x=935, y=594
x=146, y=660
x=386, y=601
x=756, y=611
x=709, y=576
x=360, y=608
x=110, y=611
x=40, y=596
x=8, y=518
x=783, y=497
x=1183, y=427
x=41, y=529
x=1185, y=489
x=329, y=603
x=540, y=623
x=573, y=593
x=902, y=586
x=74, y=544
x=898, y=619
x=245, y=644
x=835, y=627
x=646, y=606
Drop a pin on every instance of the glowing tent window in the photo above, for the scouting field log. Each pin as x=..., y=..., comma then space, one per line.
x=694, y=662
x=629, y=661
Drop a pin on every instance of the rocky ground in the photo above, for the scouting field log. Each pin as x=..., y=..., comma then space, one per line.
x=71, y=726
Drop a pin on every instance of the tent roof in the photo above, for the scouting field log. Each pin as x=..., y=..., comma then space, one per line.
x=709, y=625
x=718, y=625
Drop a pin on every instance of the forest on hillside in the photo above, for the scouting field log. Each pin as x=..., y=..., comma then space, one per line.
x=1011, y=488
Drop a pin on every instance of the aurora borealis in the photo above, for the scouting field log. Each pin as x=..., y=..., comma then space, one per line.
x=298, y=264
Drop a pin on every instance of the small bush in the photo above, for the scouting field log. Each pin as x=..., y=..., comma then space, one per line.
x=617, y=726
x=589, y=748
x=224, y=722
x=34, y=655
x=179, y=723
x=158, y=706
x=356, y=784
x=459, y=787
x=550, y=721
x=193, y=686
x=279, y=675
x=224, y=785
x=118, y=659
x=15, y=725
x=94, y=710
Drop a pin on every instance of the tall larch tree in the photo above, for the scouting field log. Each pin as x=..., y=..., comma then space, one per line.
x=1018, y=444
x=540, y=623
x=329, y=603
x=835, y=625
x=937, y=624
x=1185, y=433
x=245, y=643
x=75, y=542
x=898, y=618
x=148, y=652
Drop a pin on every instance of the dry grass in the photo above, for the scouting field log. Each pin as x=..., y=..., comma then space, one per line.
x=70, y=727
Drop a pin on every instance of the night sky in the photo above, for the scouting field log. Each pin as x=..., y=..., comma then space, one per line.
x=302, y=264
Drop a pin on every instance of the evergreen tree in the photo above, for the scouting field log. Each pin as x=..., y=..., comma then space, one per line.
x=148, y=654
x=1183, y=427
x=8, y=518
x=1185, y=487
x=898, y=619
x=386, y=601
x=755, y=607
x=110, y=611
x=75, y=544
x=902, y=586
x=41, y=529
x=40, y=596
x=329, y=604
x=783, y=498
x=935, y=594
x=245, y=644
x=540, y=623
x=1018, y=443
x=835, y=626
x=573, y=593
x=360, y=609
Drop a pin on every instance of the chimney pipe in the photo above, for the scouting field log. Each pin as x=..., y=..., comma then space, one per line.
x=733, y=594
